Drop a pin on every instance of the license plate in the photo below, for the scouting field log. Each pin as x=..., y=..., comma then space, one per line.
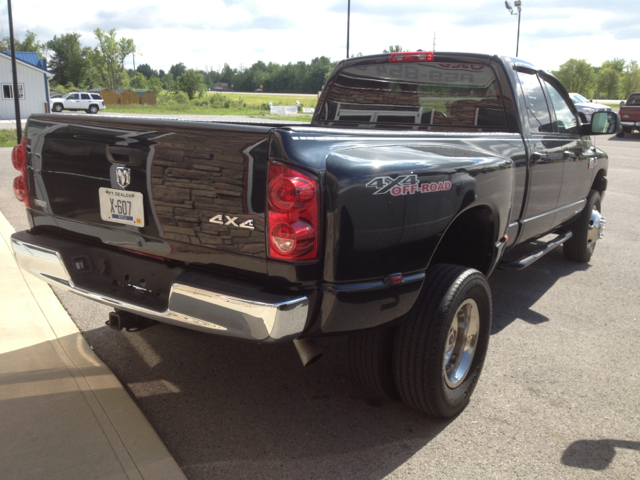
x=121, y=207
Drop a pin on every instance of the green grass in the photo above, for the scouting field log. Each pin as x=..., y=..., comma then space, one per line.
x=238, y=104
x=286, y=118
x=187, y=109
x=8, y=138
x=256, y=100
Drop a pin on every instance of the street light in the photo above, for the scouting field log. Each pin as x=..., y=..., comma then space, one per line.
x=348, y=21
x=518, y=5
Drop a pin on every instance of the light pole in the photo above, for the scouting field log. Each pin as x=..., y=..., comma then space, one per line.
x=518, y=5
x=348, y=21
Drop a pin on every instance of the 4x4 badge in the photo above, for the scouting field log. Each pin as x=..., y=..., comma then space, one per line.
x=232, y=222
x=123, y=176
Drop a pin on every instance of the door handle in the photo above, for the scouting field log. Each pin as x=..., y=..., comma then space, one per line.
x=537, y=157
x=124, y=155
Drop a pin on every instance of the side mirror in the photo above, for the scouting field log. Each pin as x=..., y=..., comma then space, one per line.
x=622, y=103
x=605, y=123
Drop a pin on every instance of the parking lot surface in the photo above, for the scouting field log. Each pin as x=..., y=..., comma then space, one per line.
x=558, y=398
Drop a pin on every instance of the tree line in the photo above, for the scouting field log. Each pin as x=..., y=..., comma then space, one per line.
x=79, y=67
x=614, y=79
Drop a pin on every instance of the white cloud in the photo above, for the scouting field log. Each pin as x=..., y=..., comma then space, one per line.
x=237, y=32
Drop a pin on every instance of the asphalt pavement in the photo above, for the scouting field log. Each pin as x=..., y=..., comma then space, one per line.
x=558, y=398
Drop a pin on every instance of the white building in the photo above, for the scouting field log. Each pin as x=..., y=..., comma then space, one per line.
x=33, y=85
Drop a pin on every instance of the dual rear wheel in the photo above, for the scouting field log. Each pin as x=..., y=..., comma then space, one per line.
x=432, y=360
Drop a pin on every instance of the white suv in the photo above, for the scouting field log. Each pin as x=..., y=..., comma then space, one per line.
x=89, y=102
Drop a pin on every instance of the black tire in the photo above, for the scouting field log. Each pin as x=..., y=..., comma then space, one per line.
x=57, y=107
x=370, y=359
x=423, y=337
x=620, y=134
x=580, y=247
x=93, y=109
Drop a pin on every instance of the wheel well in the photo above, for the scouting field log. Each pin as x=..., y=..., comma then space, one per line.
x=469, y=241
x=600, y=182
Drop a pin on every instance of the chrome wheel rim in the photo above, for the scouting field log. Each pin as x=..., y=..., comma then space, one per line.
x=595, y=230
x=461, y=343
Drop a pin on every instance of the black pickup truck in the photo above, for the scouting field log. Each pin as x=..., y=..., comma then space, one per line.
x=419, y=175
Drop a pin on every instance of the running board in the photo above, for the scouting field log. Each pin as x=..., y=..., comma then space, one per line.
x=537, y=254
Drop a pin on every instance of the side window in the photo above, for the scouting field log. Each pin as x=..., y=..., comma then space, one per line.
x=96, y=97
x=567, y=122
x=85, y=96
x=537, y=110
x=74, y=96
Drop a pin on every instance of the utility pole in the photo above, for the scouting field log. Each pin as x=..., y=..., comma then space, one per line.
x=348, y=21
x=16, y=90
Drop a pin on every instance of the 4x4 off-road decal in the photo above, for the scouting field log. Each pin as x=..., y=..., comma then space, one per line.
x=406, y=185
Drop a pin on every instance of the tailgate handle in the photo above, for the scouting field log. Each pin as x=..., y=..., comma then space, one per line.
x=126, y=155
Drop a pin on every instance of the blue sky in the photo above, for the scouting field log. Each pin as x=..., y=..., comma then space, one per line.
x=240, y=32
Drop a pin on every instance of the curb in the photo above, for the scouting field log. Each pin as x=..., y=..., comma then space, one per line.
x=51, y=372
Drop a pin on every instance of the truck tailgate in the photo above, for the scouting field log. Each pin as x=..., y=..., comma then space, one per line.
x=188, y=191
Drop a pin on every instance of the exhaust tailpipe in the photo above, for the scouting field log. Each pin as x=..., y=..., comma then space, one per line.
x=309, y=350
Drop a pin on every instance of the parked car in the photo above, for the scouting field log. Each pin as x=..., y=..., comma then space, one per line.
x=381, y=220
x=630, y=114
x=586, y=108
x=74, y=101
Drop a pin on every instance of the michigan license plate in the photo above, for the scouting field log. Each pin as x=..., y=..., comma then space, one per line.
x=122, y=207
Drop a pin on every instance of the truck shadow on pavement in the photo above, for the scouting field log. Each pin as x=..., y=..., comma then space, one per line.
x=232, y=409
x=515, y=293
x=595, y=454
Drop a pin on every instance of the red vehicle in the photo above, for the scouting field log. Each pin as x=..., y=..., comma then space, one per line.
x=630, y=114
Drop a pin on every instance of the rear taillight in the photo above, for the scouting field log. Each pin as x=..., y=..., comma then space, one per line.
x=411, y=57
x=292, y=214
x=19, y=160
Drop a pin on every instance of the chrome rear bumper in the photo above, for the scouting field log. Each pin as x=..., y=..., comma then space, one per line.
x=263, y=317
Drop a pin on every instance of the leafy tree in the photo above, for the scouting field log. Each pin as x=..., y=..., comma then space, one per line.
x=177, y=69
x=167, y=81
x=191, y=82
x=29, y=44
x=69, y=61
x=111, y=55
x=630, y=79
x=155, y=85
x=576, y=75
x=139, y=82
x=616, y=64
x=393, y=49
x=607, y=83
x=147, y=71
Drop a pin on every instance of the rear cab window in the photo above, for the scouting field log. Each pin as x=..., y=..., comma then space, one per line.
x=634, y=100
x=416, y=95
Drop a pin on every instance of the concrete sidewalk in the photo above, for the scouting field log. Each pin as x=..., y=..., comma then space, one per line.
x=63, y=414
